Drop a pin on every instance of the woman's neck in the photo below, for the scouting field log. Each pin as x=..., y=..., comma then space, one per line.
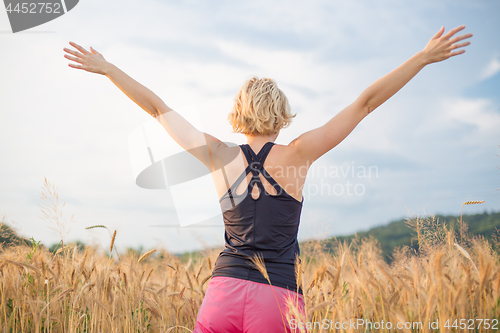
x=256, y=142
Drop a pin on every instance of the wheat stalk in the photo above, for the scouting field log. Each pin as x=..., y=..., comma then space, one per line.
x=209, y=263
x=113, y=237
x=466, y=254
x=145, y=255
x=52, y=210
x=259, y=263
x=472, y=203
x=97, y=226
x=177, y=326
x=112, y=243
x=461, y=222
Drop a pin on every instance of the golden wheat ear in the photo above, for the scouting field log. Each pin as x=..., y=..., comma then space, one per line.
x=112, y=243
x=145, y=255
x=472, y=202
x=97, y=226
x=298, y=271
x=258, y=262
x=461, y=210
x=293, y=313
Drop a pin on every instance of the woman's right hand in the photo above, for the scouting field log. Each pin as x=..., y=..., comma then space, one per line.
x=440, y=47
x=91, y=61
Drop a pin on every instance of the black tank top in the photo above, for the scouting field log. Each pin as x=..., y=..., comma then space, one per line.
x=267, y=226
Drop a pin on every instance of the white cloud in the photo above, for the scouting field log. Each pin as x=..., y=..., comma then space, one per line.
x=482, y=114
x=491, y=69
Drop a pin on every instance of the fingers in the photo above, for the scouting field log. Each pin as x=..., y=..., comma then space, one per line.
x=456, y=46
x=453, y=31
x=73, y=52
x=76, y=66
x=459, y=38
x=93, y=50
x=439, y=33
x=78, y=60
x=79, y=48
x=455, y=53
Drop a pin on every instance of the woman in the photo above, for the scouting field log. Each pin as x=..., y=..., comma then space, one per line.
x=260, y=184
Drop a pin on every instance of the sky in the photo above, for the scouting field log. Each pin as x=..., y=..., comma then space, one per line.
x=427, y=150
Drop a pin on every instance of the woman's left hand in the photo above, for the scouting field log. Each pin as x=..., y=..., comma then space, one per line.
x=441, y=47
x=91, y=61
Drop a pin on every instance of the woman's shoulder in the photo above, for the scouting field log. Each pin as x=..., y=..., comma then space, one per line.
x=223, y=153
x=284, y=154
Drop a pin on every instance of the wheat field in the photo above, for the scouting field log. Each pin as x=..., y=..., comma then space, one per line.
x=87, y=290
x=450, y=284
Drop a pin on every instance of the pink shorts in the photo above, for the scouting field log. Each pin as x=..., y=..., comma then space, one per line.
x=237, y=305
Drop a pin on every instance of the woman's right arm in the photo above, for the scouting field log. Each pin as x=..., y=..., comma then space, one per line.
x=198, y=143
x=311, y=145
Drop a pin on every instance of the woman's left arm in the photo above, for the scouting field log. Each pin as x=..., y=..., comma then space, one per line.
x=439, y=48
x=313, y=144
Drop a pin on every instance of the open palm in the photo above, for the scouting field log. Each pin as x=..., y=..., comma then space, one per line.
x=91, y=61
x=441, y=47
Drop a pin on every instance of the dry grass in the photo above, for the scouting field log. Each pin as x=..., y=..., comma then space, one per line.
x=52, y=211
x=87, y=291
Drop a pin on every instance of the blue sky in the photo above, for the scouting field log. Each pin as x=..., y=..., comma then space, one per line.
x=434, y=144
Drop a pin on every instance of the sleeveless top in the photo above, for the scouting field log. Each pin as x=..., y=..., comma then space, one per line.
x=266, y=226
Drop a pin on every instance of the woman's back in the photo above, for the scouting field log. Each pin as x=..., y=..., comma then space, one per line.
x=281, y=164
x=259, y=222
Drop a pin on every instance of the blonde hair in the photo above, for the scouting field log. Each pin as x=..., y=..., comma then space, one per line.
x=260, y=107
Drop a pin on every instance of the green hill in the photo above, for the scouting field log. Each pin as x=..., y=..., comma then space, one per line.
x=9, y=237
x=399, y=233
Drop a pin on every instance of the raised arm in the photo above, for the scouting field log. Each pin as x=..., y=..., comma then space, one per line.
x=313, y=144
x=185, y=134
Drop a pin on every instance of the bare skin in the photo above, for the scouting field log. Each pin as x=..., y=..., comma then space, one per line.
x=287, y=164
